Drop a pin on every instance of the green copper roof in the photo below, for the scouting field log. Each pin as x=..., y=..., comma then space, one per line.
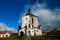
x=30, y=13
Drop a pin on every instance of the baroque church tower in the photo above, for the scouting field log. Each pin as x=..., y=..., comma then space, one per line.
x=30, y=25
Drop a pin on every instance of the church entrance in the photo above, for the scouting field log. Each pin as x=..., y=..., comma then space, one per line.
x=21, y=33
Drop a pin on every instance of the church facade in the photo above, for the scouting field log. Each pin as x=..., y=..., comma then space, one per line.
x=30, y=25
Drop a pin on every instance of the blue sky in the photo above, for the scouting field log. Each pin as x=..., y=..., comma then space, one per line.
x=11, y=11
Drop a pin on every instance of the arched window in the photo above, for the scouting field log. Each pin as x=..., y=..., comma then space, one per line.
x=32, y=20
x=29, y=25
x=29, y=32
x=37, y=30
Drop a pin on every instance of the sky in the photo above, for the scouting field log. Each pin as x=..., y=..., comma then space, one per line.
x=11, y=11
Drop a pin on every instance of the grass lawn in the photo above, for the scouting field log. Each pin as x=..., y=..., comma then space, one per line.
x=33, y=38
x=9, y=38
x=46, y=38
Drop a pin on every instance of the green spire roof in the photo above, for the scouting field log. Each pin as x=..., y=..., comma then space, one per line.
x=30, y=13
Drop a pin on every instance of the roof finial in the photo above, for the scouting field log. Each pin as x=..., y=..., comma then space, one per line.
x=29, y=10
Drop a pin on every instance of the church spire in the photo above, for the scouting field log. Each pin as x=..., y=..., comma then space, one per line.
x=30, y=13
x=29, y=10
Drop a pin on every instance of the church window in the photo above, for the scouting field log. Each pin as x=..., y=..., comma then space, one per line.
x=29, y=25
x=32, y=26
x=26, y=18
x=37, y=30
x=29, y=31
x=32, y=20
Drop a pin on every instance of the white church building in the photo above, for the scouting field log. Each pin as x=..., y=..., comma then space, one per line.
x=30, y=25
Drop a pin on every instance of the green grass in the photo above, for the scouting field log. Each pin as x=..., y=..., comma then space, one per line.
x=9, y=38
x=47, y=37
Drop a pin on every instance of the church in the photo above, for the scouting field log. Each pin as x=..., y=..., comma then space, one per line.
x=30, y=25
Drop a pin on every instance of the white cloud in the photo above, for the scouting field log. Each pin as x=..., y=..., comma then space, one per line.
x=44, y=13
x=4, y=27
x=46, y=16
